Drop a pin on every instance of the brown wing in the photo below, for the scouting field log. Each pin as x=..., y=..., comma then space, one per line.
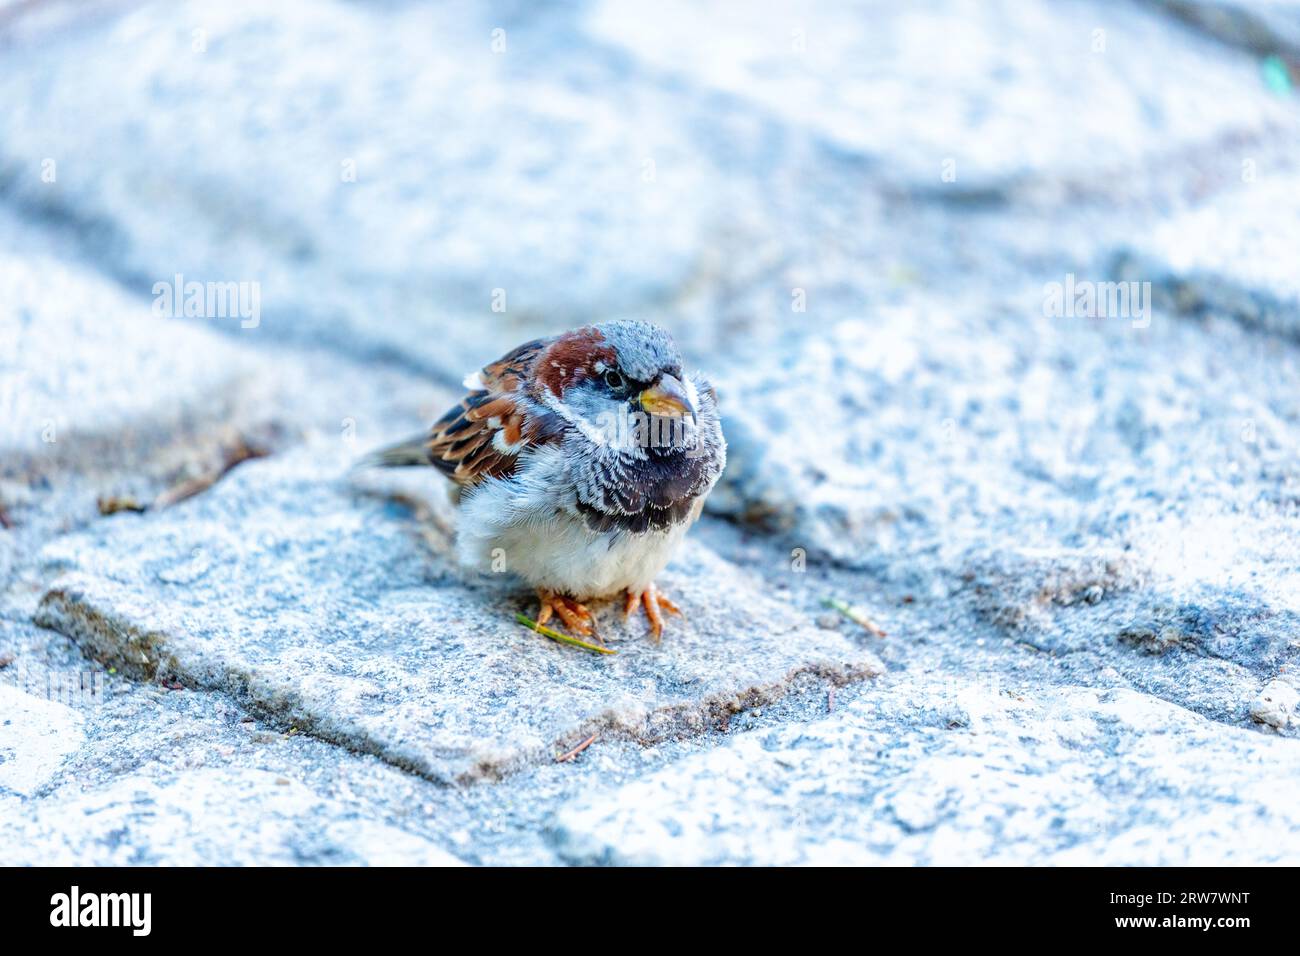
x=483, y=435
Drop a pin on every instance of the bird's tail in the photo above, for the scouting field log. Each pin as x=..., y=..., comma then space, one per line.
x=412, y=451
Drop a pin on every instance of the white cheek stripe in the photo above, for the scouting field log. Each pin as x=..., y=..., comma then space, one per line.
x=577, y=421
x=500, y=444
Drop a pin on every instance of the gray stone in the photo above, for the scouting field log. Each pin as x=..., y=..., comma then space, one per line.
x=36, y=735
x=434, y=179
x=335, y=610
x=1276, y=704
x=140, y=730
x=91, y=381
x=184, y=819
x=579, y=187
x=1077, y=535
x=994, y=89
x=960, y=774
x=103, y=405
x=1081, y=485
x=1271, y=26
x=950, y=423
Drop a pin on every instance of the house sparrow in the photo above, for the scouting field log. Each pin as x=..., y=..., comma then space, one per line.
x=583, y=459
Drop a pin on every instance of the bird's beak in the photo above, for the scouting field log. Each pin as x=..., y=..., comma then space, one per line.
x=667, y=398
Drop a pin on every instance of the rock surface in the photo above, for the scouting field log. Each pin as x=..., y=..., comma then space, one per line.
x=331, y=614
x=378, y=189
x=1276, y=704
x=953, y=462
x=1230, y=258
x=995, y=100
x=1271, y=27
x=925, y=774
x=38, y=734
x=1065, y=540
x=91, y=380
x=383, y=191
x=185, y=821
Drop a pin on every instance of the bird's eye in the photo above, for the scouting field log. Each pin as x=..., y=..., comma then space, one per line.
x=613, y=379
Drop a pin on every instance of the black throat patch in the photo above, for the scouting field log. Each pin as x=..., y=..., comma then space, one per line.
x=647, y=495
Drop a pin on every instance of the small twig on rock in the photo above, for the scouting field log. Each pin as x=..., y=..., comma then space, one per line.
x=111, y=505
x=576, y=750
x=5, y=521
x=186, y=489
x=532, y=625
x=856, y=616
x=241, y=453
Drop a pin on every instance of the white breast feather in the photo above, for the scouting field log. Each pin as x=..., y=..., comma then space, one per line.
x=529, y=522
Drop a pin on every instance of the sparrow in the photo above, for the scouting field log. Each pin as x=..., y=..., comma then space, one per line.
x=581, y=460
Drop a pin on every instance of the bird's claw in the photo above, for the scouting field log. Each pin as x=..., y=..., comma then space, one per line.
x=651, y=600
x=576, y=616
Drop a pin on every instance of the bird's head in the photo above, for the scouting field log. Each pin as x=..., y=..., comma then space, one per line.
x=621, y=383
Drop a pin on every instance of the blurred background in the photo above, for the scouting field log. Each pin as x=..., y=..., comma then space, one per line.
x=860, y=218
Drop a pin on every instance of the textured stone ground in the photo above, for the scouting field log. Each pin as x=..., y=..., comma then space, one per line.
x=1079, y=534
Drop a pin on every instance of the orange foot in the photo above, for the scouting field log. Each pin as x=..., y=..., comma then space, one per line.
x=652, y=601
x=575, y=616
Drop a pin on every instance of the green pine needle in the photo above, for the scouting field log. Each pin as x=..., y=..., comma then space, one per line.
x=856, y=615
